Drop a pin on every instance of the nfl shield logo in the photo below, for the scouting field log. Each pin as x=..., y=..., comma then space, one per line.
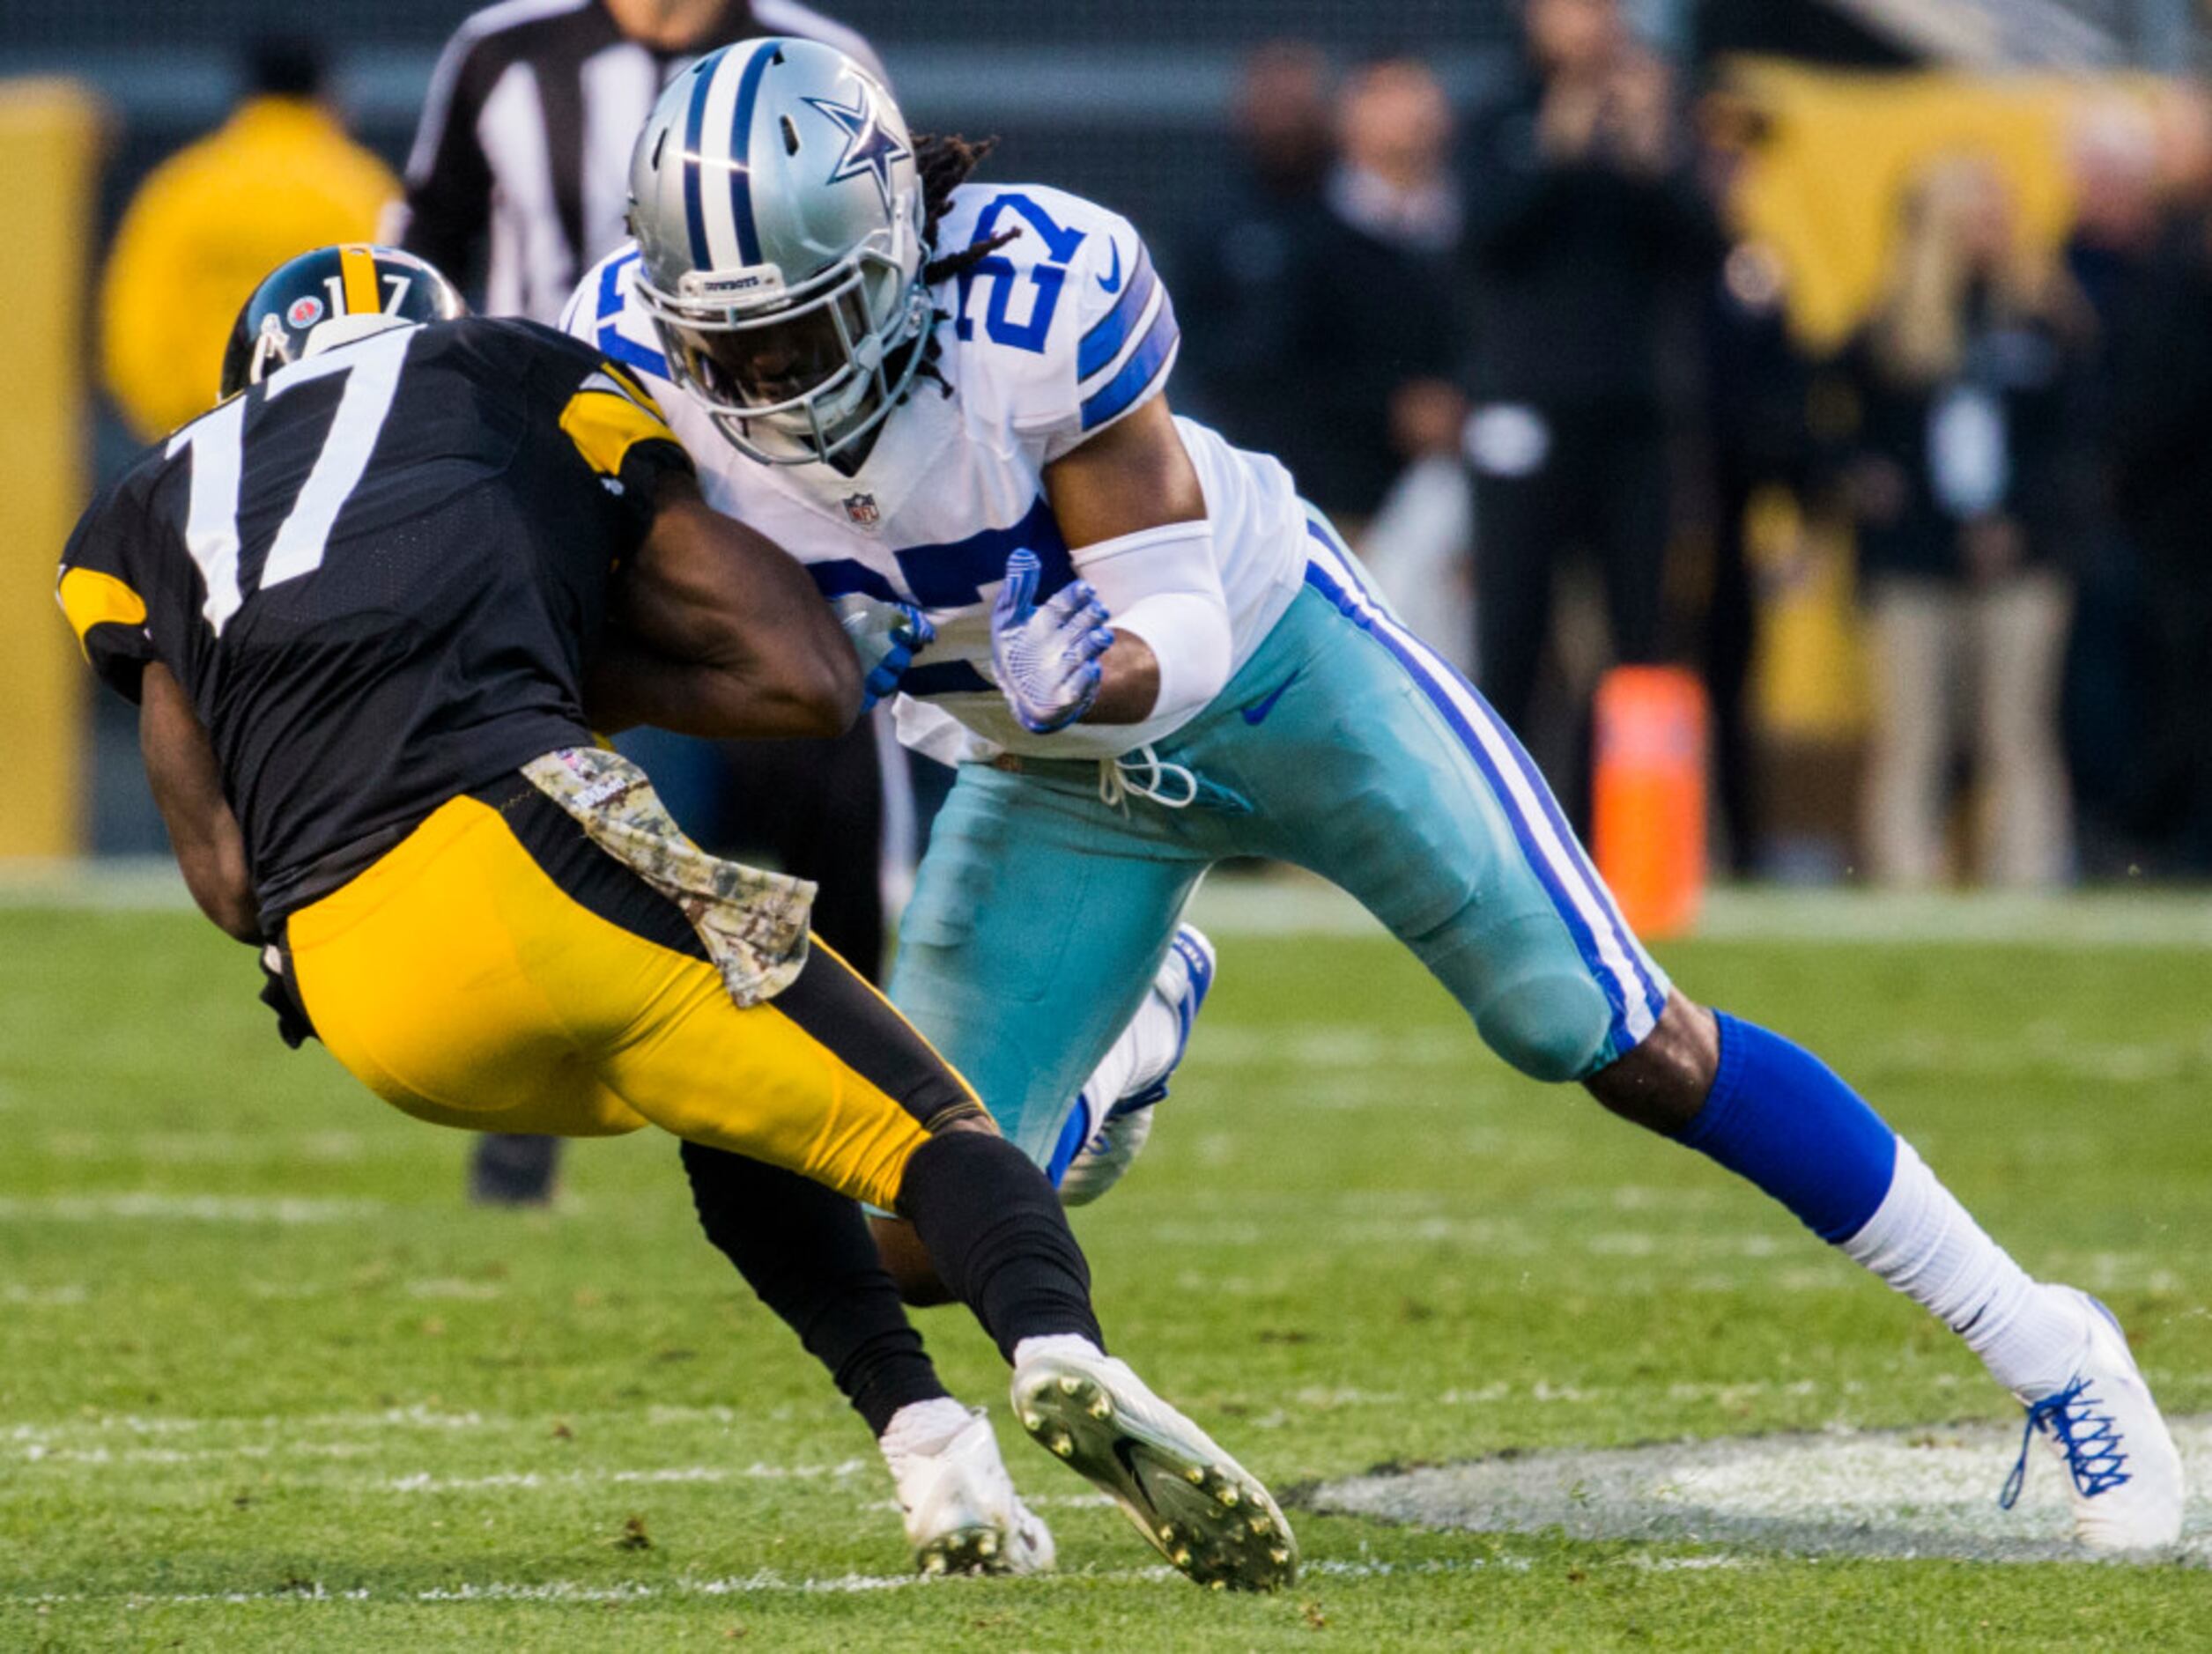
x=862, y=509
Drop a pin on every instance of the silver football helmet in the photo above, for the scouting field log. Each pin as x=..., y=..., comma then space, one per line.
x=779, y=214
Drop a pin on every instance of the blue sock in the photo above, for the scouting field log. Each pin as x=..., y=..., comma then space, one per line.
x=1073, y=1136
x=1779, y=1116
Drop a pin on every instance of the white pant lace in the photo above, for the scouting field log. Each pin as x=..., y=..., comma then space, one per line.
x=1142, y=774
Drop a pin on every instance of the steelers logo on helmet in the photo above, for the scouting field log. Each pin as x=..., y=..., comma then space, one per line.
x=778, y=216
x=328, y=297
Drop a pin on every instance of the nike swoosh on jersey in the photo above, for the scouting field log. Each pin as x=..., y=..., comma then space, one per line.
x=1257, y=713
x=1111, y=280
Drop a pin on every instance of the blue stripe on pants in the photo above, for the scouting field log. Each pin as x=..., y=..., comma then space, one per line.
x=1612, y=955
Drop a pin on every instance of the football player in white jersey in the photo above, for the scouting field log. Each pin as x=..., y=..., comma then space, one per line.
x=1145, y=655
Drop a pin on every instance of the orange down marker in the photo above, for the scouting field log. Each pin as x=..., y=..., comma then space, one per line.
x=1647, y=803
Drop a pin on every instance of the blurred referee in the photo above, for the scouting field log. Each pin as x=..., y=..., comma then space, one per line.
x=520, y=171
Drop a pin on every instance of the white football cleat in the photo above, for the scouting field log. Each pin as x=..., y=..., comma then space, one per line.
x=2123, y=1472
x=1111, y=1145
x=1107, y=1154
x=962, y=1514
x=1194, y=1503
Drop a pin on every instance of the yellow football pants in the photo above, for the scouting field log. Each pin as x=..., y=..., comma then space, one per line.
x=497, y=971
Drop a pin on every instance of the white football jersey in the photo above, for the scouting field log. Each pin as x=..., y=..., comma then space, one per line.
x=1053, y=337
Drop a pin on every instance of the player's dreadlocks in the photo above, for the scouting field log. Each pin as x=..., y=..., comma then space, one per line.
x=945, y=161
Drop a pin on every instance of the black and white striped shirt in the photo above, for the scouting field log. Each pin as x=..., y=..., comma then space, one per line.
x=526, y=137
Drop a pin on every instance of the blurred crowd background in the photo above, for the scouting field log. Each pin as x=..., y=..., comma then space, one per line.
x=1853, y=356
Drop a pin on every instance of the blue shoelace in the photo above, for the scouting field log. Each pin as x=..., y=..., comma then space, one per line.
x=2087, y=1437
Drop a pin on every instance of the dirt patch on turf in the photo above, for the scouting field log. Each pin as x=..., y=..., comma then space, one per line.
x=1927, y=1492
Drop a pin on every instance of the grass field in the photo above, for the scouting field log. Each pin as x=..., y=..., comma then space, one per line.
x=265, y=1383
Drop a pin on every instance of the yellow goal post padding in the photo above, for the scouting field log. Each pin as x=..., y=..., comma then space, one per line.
x=50, y=155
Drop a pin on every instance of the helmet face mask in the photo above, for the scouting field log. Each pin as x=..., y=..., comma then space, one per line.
x=778, y=215
x=763, y=366
x=273, y=348
x=804, y=381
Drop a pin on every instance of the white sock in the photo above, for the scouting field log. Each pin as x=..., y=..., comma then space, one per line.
x=1144, y=1052
x=1056, y=1344
x=1923, y=1241
x=1155, y=1035
x=922, y=1428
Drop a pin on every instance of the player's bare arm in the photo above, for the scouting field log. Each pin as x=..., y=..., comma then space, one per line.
x=188, y=787
x=715, y=632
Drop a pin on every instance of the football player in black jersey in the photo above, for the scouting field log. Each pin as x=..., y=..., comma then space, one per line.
x=372, y=607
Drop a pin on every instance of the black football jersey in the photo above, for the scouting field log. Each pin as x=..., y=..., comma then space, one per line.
x=379, y=575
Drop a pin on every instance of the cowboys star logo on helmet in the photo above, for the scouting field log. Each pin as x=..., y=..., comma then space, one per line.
x=873, y=148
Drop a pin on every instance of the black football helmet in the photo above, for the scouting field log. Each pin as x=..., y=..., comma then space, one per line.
x=354, y=283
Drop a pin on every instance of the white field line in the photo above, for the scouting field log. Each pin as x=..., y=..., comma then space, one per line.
x=128, y=1442
x=193, y=1209
x=115, y=1433
x=1034, y=1501
x=1242, y=1218
x=416, y=1417
x=423, y=1481
x=68, y=1293
x=1926, y=1492
x=1285, y=902
x=1291, y=904
x=39, y=1454
x=116, y=884
x=1510, y=1238
x=1357, y=1064
x=216, y=1149
x=1313, y=1399
x=769, y=1582
x=163, y=1426
x=472, y=1291
x=2118, y=918
x=133, y=1441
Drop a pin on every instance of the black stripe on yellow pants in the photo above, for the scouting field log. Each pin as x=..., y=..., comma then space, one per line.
x=498, y=971
x=831, y=1000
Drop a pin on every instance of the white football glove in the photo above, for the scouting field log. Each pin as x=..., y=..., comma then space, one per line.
x=1047, y=659
x=886, y=637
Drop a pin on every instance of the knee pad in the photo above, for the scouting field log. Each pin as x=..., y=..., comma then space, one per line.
x=1552, y=1026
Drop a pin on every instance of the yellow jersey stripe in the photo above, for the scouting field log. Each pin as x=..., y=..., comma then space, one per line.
x=605, y=427
x=614, y=387
x=90, y=599
x=359, y=266
x=622, y=377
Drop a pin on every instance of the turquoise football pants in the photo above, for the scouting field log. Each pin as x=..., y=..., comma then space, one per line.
x=1344, y=746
